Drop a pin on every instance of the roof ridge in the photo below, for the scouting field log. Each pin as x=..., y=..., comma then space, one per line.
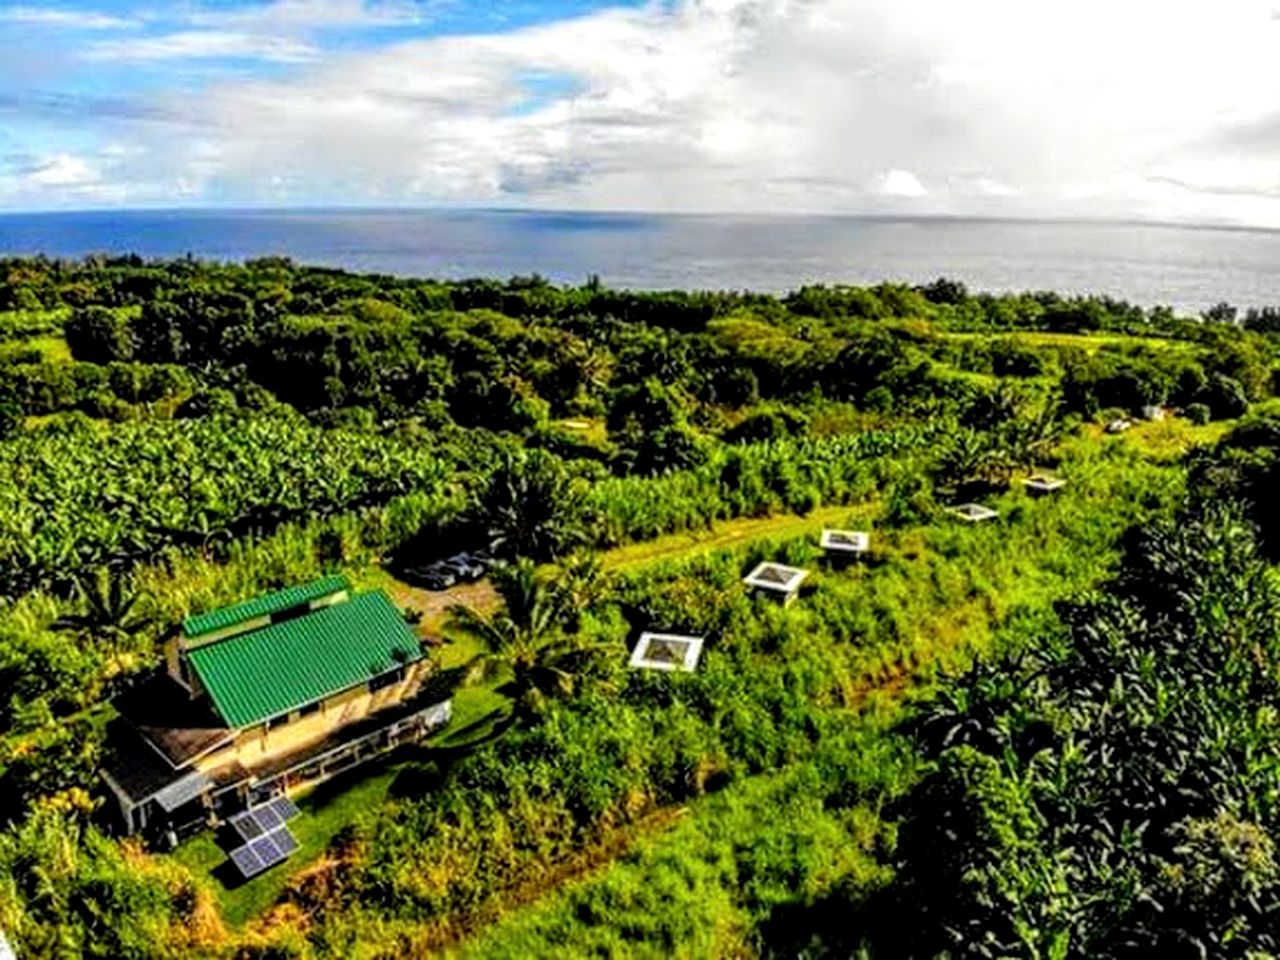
x=278, y=601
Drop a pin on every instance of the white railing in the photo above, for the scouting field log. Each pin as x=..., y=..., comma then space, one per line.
x=428, y=719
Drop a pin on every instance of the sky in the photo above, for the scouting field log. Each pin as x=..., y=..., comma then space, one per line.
x=1148, y=109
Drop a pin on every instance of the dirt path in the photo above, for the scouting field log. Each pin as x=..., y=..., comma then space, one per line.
x=434, y=604
x=731, y=533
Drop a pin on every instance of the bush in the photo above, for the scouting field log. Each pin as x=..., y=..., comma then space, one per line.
x=1199, y=414
x=10, y=418
x=773, y=424
x=1225, y=397
x=99, y=335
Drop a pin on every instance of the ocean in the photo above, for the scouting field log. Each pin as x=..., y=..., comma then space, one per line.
x=1185, y=267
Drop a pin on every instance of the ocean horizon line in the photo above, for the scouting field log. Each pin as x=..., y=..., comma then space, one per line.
x=618, y=213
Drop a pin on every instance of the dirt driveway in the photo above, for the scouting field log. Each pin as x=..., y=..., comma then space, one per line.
x=434, y=604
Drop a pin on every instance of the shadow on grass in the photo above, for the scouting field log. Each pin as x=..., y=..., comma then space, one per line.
x=473, y=727
x=427, y=767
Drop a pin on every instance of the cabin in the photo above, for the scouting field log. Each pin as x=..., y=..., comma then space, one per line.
x=845, y=544
x=1041, y=484
x=776, y=580
x=261, y=698
x=666, y=651
x=974, y=513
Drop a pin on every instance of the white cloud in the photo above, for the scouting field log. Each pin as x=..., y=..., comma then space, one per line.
x=309, y=15
x=74, y=179
x=1142, y=108
x=55, y=17
x=203, y=44
x=62, y=170
x=899, y=183
x=279, y=31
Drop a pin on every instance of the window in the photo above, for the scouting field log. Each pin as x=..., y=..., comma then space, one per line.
x=308, y=709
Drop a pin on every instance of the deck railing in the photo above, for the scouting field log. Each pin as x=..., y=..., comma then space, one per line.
x=321, y=766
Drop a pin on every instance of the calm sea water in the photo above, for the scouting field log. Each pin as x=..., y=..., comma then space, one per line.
x=1187, y=268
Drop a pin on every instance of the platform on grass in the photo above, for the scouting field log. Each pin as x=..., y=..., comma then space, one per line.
x=853, y=543
x=666, y=651
x=1043, y=483
x=974, y=513
x=777, y=580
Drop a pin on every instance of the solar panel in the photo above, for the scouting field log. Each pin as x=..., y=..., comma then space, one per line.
x=285, y=841
x=247, y=862
x=267, y=818
x=268, y=850
x=262, y=819
x=246, y=826
x=284, y=808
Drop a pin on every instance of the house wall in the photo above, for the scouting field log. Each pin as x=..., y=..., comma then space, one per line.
x=257, y=744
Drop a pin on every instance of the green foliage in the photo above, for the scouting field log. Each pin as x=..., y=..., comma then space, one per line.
x=226, y=429
x=109, y=609
x=86, y=496
x=648, y=423
x=773, y=423
x=99, y=335
x=533, y=506
x=526, y=642
x=68, y=891
x=1198, y=413
x=1116, y=793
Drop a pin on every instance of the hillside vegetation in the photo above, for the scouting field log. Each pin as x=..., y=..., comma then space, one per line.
x=1048, y=735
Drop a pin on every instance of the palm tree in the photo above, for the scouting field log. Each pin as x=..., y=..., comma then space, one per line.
x=971, y=459
x=533, y=507
x=525, y=641
x=581, y=583
x=109, y=603
x=1027, y=439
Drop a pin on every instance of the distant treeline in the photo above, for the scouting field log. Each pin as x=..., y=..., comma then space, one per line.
x=270, y=285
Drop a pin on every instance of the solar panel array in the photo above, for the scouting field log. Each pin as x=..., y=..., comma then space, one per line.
x=267, y=841
x=263, y=818
x=266, y=851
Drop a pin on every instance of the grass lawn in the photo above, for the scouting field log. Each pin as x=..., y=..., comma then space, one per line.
x=735, y=533
x=1088, y=342
x=325, y=811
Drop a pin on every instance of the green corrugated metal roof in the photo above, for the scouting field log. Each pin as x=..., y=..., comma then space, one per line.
x=277, y=602
x=272, y=670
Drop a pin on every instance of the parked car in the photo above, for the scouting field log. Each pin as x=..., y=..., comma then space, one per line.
x=434, y=576
x=467, y=566
x=462, y=567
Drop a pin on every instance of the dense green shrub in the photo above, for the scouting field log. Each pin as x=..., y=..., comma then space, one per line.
x=1199, y=413
x=99, y=335
x=86, y=495
x=1114, y=795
